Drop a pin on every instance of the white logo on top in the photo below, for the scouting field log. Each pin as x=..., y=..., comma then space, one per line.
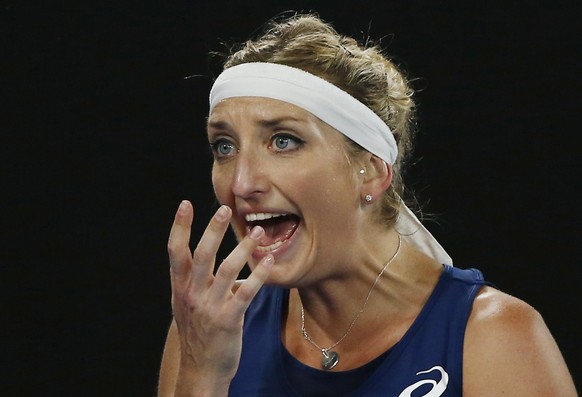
x=438, y=388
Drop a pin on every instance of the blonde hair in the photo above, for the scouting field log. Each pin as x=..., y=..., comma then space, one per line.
x=306, y=42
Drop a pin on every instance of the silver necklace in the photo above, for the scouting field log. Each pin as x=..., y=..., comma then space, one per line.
x=330, y=357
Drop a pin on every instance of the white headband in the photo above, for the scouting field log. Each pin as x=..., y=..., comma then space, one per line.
x=321, y=98
x=334, y=107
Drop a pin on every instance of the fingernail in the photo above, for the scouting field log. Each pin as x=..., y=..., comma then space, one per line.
x=256, y=232
x=183, y=206
x=222, y=213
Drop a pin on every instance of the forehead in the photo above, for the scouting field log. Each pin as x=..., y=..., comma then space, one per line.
x=258, y=108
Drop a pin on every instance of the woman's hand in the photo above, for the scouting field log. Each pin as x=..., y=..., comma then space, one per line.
x=208, y=312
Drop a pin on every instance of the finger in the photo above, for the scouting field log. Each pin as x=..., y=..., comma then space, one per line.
x=204, y=256
x=179, y=240
x=229, y=269
x=249, y=288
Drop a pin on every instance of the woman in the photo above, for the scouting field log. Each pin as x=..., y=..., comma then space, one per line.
x=349, y=294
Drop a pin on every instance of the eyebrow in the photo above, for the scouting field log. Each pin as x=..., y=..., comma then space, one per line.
x=221, y=124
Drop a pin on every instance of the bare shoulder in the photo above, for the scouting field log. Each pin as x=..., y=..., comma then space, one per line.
x=509, y=350
x=503, y=312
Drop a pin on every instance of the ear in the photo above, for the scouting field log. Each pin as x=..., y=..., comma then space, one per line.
x=377, y=178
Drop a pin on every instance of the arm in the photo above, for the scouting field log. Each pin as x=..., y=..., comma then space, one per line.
x=509, y=351
x=170, y=363
x=204, y=342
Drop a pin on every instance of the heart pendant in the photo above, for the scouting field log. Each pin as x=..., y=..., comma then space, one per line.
x=329, y=360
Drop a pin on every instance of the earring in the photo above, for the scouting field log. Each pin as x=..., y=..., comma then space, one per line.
x=362, y=171
x=368, y=198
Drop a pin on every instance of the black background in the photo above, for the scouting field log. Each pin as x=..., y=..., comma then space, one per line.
x=103, y=136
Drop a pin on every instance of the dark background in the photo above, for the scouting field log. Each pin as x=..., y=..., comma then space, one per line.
x=102, y=136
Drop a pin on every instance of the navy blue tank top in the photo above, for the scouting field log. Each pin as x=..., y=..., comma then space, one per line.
x=427, y=361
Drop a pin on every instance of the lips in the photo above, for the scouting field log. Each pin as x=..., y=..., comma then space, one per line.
x=279, y=227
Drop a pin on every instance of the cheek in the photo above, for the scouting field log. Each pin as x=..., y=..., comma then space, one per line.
x=326, y=191
x=221, y=185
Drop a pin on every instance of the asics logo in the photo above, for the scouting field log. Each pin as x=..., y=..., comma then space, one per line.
x=438, y=388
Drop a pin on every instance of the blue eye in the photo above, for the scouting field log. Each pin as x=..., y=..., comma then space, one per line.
x=282, y=142
x=285, y=142
x=222, y=148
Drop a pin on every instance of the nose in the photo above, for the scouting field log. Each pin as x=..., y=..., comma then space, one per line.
x=249, y=179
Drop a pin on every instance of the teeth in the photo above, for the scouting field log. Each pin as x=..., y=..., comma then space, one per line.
x=270, y=247
x=261, y=216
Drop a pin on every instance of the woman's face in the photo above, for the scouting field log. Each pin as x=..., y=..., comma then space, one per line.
x=278, y=166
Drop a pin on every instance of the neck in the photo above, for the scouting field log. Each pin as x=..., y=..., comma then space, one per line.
x=334, y=307
x=330, y=307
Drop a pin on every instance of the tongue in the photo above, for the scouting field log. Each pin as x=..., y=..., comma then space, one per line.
x=278, y=229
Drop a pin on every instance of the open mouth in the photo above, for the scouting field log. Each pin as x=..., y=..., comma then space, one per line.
x=278, y=228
